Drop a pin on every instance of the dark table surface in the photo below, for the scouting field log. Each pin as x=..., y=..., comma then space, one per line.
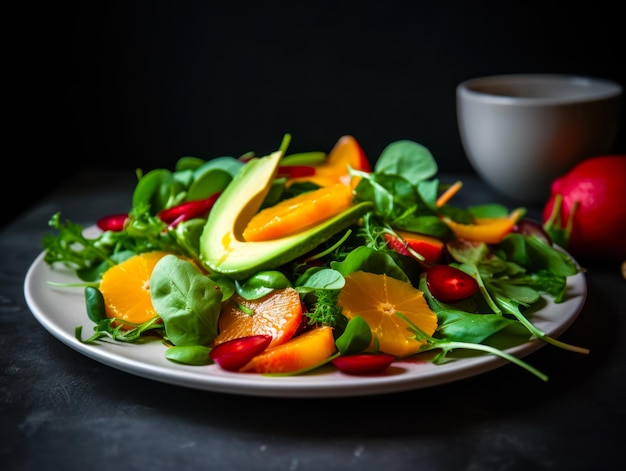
x=62, y=410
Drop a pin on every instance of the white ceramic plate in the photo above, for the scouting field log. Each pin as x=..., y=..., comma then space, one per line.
x=61, y=310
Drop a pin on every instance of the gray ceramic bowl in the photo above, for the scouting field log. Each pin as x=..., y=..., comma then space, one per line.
x=522, y=131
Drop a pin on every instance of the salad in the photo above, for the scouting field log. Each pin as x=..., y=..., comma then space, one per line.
x=280, y=264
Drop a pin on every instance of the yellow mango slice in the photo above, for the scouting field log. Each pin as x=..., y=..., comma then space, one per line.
x=487, y=230
x=296, y=214
x=346, y=152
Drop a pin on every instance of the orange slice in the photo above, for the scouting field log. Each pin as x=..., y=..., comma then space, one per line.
x=126, y=289
x=278, y=314
x=377, y=298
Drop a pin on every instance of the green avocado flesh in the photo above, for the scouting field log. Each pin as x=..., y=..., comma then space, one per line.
x=222, y=247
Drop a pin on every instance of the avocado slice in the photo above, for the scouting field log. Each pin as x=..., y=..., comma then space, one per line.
x=222, y=247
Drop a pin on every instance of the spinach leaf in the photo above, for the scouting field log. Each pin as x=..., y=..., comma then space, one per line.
x=532, y=252
x=318, y=278
x=189, y=354
x=262, y=283
x=94, y=302
x=187, y=235
x=187, y=301
x=371, y=260
x=212, y=177
x=446, y=345
x=407, y=158
x=155, y=189
x=467, y=327
x=188, y=163
x=356, y=337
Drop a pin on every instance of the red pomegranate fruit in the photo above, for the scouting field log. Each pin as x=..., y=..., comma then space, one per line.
x=586, y=210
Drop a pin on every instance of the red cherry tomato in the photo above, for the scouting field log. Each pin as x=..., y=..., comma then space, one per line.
x=449, y=284
x=363, y=363
x=236, y=353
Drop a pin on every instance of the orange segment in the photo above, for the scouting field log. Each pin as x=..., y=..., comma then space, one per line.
x=377, y=298
x=298, y=213
x=126, y=289
x=278, y=314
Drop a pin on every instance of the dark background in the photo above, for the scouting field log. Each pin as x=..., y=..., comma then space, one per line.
x=131, y=84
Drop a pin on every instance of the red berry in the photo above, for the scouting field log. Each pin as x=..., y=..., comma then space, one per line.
x=234, y=354
x=114, y=222
x=188, y=210
x=363, y=363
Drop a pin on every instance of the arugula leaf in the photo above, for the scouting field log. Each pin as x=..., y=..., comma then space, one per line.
x=533, y=253
x=112, y=328
x=503, y=284
x=71, y=248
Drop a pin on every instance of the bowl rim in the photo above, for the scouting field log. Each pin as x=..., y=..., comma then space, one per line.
x=588, y=88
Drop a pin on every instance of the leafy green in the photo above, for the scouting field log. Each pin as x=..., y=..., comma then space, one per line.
x=156, y=189
x=189, y=354
x=73, y=249
x=372, y=260
x=96, y=310
x=324, y=309
x=123, y=331
x=212, y=177
x=448, y=345
x=508, y=288
x=187, y=301
x=513, y=275
x=468, y=327
x=407, y=158
x=262, y=283
x=355, y=338
x=560, y=231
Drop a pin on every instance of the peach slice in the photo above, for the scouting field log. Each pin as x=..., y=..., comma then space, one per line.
x=304, y=351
